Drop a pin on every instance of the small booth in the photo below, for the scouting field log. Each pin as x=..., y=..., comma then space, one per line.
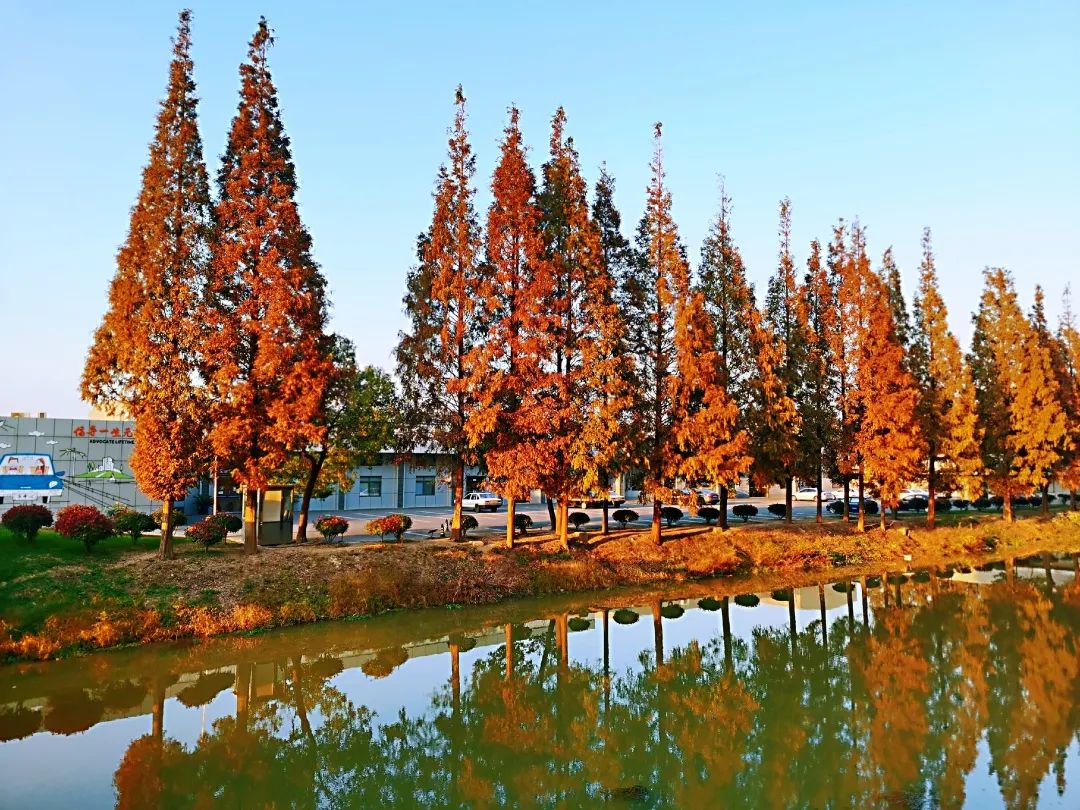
x=271, y=516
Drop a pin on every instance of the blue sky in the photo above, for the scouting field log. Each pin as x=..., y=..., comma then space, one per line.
x=961, y=116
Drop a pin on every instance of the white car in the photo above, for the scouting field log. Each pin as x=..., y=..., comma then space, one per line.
x=810, y=494
x=913, y=493
x=481, y=502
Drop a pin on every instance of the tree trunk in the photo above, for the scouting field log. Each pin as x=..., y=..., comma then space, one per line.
x=931, y=488
x=657, y=531
x=658, y=634
x=457, y=492
x=1045, y=507
x=315, y=464
x=1072, y=500
x=604, y=528
x=1007, y=508
x=508, y=632
x=564, y=523
x=511, y=513
x=165, y=549
x=251, y=517
x=881, y=511
x=551, y=512
x=824, y=614
x=846, y=511
x=819, y=518
x=788, y=483
x=862, y=506
x=725, y=618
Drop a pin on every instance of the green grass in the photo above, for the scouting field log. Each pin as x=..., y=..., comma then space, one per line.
x=55, y=575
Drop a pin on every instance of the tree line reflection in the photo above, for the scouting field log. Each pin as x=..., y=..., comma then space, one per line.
x=886, y=701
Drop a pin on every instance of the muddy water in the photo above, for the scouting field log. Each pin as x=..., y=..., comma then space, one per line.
x=927, y=689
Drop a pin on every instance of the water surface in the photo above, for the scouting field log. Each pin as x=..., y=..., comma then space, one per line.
x=943, y=689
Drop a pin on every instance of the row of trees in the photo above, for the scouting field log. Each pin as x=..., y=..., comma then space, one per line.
x=545, y=345
x=558, y=353
x=215, y=337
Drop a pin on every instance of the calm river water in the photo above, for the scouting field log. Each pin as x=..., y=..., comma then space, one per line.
x=942, y=689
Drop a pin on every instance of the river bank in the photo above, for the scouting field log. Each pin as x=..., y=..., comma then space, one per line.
x=54, y=604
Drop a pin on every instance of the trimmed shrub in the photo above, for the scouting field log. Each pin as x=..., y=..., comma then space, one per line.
x=843, y=587
x=25, y=520
x=133, y=524
x=468, y=522
x=87, y=524
x=396, y=525
x=331, y=526
x=747, y=600
x=178, y=517
x=384, y=662
x=944, y=573
x=577, y=519
x=463, y=642
x=921, y=576
x=897, y=579
x=777, y=509
x=206, y=533
x=708, y=514
x=672, y=611
x=577, y=624
x=835, y=507
x=625, y=616
x=624, y=516
x=873, y=582
x=869, y=508
x=960, y=503
x=671, y=514
x=917, y=504
x=1035, y=500
x=744, y=511
x=522, y=523
x=997, y=502
x=782, y=595
x=709, y=603
x=942, y=504
x=981, y=504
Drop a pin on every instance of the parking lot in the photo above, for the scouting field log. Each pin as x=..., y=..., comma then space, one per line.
x=433, y=522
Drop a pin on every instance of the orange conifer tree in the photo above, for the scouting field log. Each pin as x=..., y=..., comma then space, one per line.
x=947, y=413
x=437, y=358
x=840, y=455
x=510, y=346
x=1024, y=425
x=681, y=397
x=267, y=353
x=888, y=442
x=145, y=353
x=576, y=405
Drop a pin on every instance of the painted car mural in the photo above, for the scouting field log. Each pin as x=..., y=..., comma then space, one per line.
x=29, y=477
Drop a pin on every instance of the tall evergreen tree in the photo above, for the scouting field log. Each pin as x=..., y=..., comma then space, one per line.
x=947, y=411
x=819, y=378
x=1024, y=425
x=438, y=358
x=729, y=300
x=890, y=277
x=685, y=421
x=618, y=255
x=267, y=352
x=145, y=354
x=578, y=399
x=786, y=319
x=512, y=328
x=1068, y=338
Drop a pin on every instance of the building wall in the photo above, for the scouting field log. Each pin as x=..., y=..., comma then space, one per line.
x=93, y=454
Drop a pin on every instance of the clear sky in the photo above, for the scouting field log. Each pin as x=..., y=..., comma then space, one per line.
x=961, y=116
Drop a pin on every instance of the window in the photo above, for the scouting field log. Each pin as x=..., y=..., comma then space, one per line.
x=369, y=487
x=425, y=485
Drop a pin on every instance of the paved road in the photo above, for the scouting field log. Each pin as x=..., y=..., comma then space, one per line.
x=428, y=521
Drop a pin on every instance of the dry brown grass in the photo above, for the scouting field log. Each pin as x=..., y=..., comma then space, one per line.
x=225, y=592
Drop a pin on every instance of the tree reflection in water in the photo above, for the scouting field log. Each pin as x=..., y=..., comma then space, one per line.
x=890, y=709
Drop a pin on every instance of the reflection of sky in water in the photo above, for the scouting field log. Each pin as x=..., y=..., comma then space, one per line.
x=46, y=770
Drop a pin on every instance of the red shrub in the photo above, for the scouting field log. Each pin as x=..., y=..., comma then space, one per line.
x=85, y=523
x=396, y=525
x=330, y=526
x=207, y=532
x=25, y=520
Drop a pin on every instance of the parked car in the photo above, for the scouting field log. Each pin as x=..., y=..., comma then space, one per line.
x=481, y=502
x=810, y=494
x=914, y=493
x=597, y=503
x=707, y=497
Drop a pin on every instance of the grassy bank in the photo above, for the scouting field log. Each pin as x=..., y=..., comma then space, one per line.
x=56, y=599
